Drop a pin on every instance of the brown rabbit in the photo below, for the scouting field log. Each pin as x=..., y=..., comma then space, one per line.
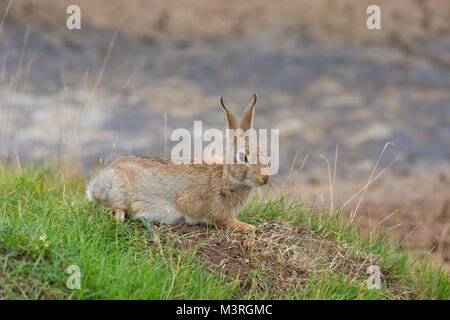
x=160, y=190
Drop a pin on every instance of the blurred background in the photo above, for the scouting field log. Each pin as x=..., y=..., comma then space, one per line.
x=138, y=69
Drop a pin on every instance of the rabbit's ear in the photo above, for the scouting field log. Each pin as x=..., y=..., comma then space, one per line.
x=230, y=119
x=247, y=118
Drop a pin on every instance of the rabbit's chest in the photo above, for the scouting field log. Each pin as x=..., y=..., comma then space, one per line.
x=234, y=199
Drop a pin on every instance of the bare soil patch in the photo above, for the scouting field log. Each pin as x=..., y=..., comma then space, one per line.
x=283, y=256
x=411, y=207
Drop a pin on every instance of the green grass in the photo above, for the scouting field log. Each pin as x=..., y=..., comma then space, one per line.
x=47, y=225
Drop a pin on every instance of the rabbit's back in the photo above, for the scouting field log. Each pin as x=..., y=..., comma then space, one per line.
x=144, y=187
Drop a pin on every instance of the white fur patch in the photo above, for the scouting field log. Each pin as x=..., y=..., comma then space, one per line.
x=164, y=215
x=89, y=194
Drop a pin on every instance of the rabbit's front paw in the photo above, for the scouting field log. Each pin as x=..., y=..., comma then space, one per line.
x=235, y=224
x=245, y=227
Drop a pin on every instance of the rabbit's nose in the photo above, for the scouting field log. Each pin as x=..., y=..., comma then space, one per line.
x=265, y=179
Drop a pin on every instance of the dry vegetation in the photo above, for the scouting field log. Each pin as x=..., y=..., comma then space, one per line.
x=288, y=256
x=322, y=19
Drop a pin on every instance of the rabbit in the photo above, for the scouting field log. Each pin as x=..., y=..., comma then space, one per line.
x=161, y=191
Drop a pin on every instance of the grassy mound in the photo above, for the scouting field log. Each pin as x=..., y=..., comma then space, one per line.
x=47, y=225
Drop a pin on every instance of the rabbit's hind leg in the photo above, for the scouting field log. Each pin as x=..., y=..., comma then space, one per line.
x=119, y=195
x=119, y=214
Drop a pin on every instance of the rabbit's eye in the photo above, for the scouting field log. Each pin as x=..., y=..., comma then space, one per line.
x=243, y=157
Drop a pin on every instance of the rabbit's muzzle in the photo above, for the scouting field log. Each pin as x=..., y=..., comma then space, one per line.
x=264, y=179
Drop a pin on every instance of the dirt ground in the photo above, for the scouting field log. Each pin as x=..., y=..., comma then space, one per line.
x=284, y=254
x=326, y=20
x=413, y=208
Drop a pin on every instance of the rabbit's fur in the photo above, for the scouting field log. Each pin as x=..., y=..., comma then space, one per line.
x=159, y=190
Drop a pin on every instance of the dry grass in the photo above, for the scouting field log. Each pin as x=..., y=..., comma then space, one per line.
x=285, y=256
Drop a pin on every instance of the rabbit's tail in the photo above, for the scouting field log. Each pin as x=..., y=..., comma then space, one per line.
x=89, y=194
x=99, y=187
